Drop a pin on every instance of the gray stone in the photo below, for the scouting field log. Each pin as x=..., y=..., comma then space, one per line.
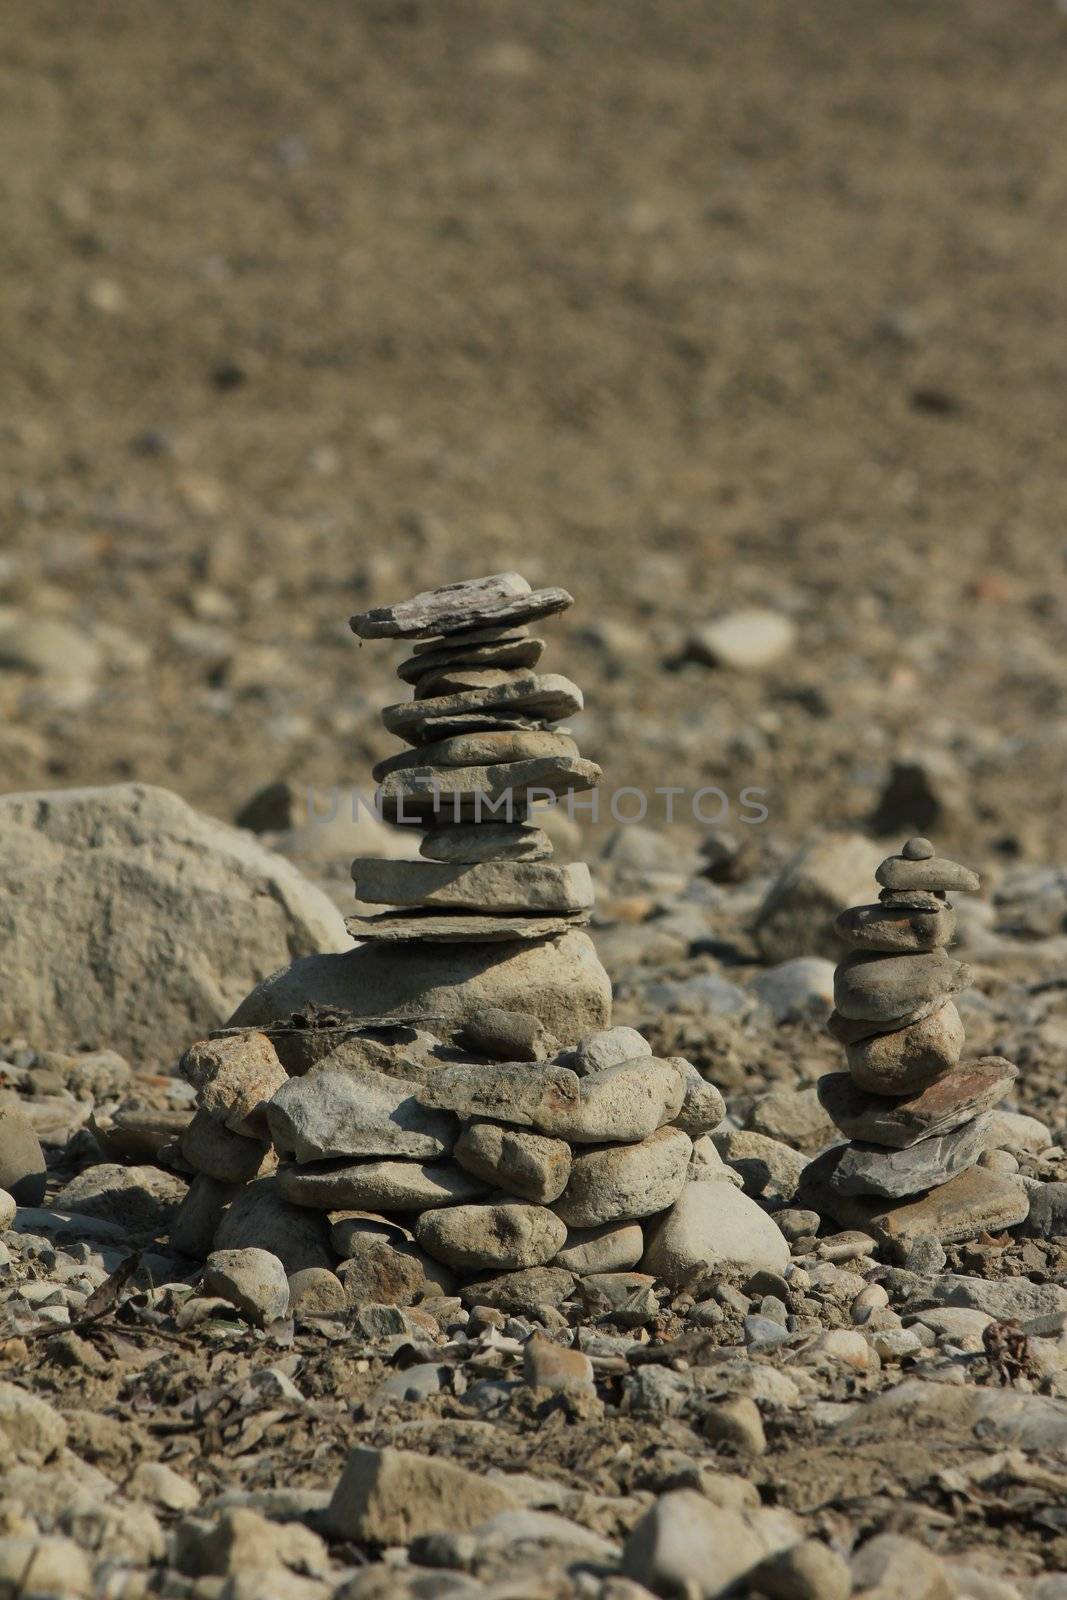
x=526, y=1164
x=211, y=1148
x=935, y=874
x=196, y=913
x=877, y=988
x=748, y=640
x=873, y=1170
x=621, y=1182
x=956, y=1098
x=196, y=1221
x=909, y=1059
x=1011, y=1130
x=548, y=696
x=809, y=1570
x=234, y=1077
x=1005, y=1299
x=612, y=1247
x=625, y=1103
x=140, y=1199
x=715, y=1226
x=252, y=1280
x=316, y=1292
x=382, y=1267
x=543, y=1097
x=522, y=1293
x=850, y=1030
x=430, y=671
x=797, y=990
x=485, y=841
x=356, y=1114
x=609, y=1047
x=502, y=598
x=378, y=1185
x=500, y=793
x=975, y=1201
x=22, y=1166
x=31, y=1432
x=506, y=1036
x=428, y=927
x=8, y=1207
x=259, y=1217
x=560, y=981
x=703, y=1107
x=547, y=1365
x=897, y=930
x=484, y=886
x=389, y=1497
x=485, y=749
x=685, y=1545
x=492, y=1236
x=796, y=916
x=899, y=1568
x=767, y=1167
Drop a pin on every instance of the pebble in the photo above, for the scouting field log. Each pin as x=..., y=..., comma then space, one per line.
x=747, y=640
x=619, y=1183
x=903, y=874
x=507, y=1035
x=252, y=1280
x=22, y=1164
x=736, y=1422
x=809, y=1570
x=892, y=1565
x=530, y=1165
x=390, y=1497
x=485, y=841
x=385, y=1185
x=316, y=1292
x=685, y=1545
x=878, y=988
x=547, y=1365
x=768, y=1168
x=911, y=1058
x=797, y=912
x=491, y=1236
x=797, y=991
x=611, y=1247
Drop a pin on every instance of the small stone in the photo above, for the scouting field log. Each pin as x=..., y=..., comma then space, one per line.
x=235, y=1077
x=252, y=1280
x=1005, y=1299
x=975, y=1201
x=797, y=990
x=260, y=1217
x=960, y=1325
x=1011, y=1130
x=506, y=1035
x=896, y=930
x=196, y=1221
x=685, y=1545
x=522, y=1293
x=502, y=598
x=483, y=886
x=141, y=1199
x=159, y=1484
x=316, y=1292
x=793, y=1116
x=809, y=1570
x=767, y=1167
x=545, y=1097
x=490, y=748
x=873, y=1170
x=903, y=873
x=795, y=1223
x=491, y=1236
x=44, y=1566
x=22, y=1166
x=612, y=1247
x=356, y=1114
x=715, y=1226
x=469, y=929
x=389, y=1497
x=878, y=988
x=925, y=1255
x=547, y=696
x=383, y=1267
x=621, y=1182
x=209, y=1147
x=846, y=1345
x=628, y=1102
x=736, y=1422
x=960, y=1095
x=703, y=1107
x=31, y=1432
x=530, y=1165
x=546, y=1365
x=747, y=640
x=244, y=1541
x=918, y=850
x=898, y=1568
x=908, y=1059
x=378, y=1185
x=431, y=670
x=485, y=841
x=611, y=1047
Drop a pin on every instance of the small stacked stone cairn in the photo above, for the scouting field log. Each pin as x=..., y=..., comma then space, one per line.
x=916, y=1114
x=482, y=749
x=396, y=1167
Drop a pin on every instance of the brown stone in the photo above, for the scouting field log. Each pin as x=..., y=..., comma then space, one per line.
x=956, y=1098
x=976, y=1201
x=908, y=1059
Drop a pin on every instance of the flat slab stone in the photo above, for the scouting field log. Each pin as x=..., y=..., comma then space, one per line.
x=378, y=1185
x=483, y=886
x=877, y=987
x=499, y=793
x=976, y=1201
x=872, y=1169
x=547, y=696
x=853, y=1030
x=515, y=649
x=462, y=928
x=482, y=750
x=486, y=841
x=330, y=1114
x=502, y=597
x=464, y=680
x=896, y=930
x=935, y=874
x=962, y=1094
x=524, y=1094
x=496, y=634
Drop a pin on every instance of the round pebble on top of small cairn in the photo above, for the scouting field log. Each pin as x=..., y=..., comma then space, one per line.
x=915, y=1112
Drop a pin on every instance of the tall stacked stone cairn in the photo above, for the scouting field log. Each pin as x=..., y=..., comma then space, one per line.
x=917, y=1114
x=397, y=1158
x=481, y=749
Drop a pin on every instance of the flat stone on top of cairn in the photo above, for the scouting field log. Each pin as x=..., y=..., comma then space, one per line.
x=915, y=1113
x=481, y=752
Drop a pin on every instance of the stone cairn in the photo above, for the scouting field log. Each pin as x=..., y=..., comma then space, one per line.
x=400, y=1158
x=916, y=1114
x=481, y=750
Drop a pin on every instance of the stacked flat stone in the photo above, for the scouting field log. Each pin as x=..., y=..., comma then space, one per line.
x=916, y=1114
x=482, y=748
x=412, y=1168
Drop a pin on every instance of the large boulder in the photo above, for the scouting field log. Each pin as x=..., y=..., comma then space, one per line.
x=127, y=916
x=559, y=981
